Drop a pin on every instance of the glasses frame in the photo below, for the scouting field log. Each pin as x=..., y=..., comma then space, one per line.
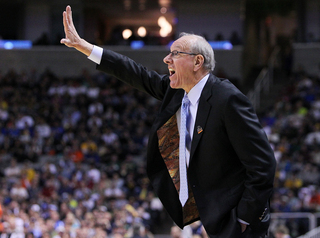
x=176, y=52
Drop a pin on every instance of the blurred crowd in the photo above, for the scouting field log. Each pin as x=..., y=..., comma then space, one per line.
x=292, y=125
x=72, y=152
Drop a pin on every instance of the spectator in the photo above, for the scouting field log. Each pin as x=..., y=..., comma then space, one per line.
x=282, y=232
x=13, y=172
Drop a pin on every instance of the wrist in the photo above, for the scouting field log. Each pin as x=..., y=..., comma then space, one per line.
x=84, y=47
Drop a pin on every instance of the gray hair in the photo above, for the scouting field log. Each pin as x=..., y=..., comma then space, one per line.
x=200, y=45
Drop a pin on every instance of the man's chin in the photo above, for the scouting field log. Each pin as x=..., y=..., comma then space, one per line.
x=173, y=85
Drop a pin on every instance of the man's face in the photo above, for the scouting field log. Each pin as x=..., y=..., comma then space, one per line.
x=181, y=66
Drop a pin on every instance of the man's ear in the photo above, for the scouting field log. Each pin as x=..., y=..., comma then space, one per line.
x=198, y=62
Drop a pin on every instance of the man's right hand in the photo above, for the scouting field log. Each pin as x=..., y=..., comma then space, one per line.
x=72, y=38
x=243, y=227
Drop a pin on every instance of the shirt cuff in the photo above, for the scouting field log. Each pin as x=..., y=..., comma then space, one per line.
x=96, y=54
x=242, y=221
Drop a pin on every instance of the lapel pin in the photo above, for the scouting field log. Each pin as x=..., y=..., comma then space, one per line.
x=199, y=129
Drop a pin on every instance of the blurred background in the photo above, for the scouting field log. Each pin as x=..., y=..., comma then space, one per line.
x=73, y=140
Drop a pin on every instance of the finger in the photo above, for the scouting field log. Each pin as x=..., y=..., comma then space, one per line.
x=71, y=26
x=65, y=21
x=63, y=41
x=66, y=28
x=69, y=17
x=66, y=42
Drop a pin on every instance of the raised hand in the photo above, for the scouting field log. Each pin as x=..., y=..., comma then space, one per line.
x=72, y=38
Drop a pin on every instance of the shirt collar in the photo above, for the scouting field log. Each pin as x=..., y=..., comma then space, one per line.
x=195, y=92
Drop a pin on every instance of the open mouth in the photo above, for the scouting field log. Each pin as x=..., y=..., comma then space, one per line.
x=172, y=72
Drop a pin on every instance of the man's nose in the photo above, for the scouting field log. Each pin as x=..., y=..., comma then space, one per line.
x=167, y=59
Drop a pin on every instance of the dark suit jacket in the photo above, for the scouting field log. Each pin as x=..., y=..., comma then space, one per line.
x=231, y=162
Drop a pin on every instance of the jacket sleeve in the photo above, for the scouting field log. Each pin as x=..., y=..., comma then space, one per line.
x=136, y=75
x=253, y=149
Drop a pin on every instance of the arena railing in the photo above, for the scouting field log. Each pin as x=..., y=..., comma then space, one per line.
x=312, y=217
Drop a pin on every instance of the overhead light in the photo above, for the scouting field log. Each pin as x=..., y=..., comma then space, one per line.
x=163, y=10
x=142, y=32
x=126, y=34
x=164, y=3
x=165, y=26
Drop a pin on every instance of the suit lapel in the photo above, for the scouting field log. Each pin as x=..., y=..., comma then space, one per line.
x=202, y=114
x=170, y=109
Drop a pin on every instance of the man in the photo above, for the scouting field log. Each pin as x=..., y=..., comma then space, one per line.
x=230, y=164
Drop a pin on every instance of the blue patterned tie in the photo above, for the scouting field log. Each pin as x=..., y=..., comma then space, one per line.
x=185, y=143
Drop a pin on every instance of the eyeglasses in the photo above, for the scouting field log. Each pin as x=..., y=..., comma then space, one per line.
x=175, y=53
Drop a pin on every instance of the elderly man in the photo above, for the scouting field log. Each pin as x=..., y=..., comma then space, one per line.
x=208, y=157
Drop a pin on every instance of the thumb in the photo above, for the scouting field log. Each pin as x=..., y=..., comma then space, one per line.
x=64, y=41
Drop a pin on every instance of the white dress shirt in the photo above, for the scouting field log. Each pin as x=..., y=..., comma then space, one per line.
x=194, y=96
x=96, y=54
